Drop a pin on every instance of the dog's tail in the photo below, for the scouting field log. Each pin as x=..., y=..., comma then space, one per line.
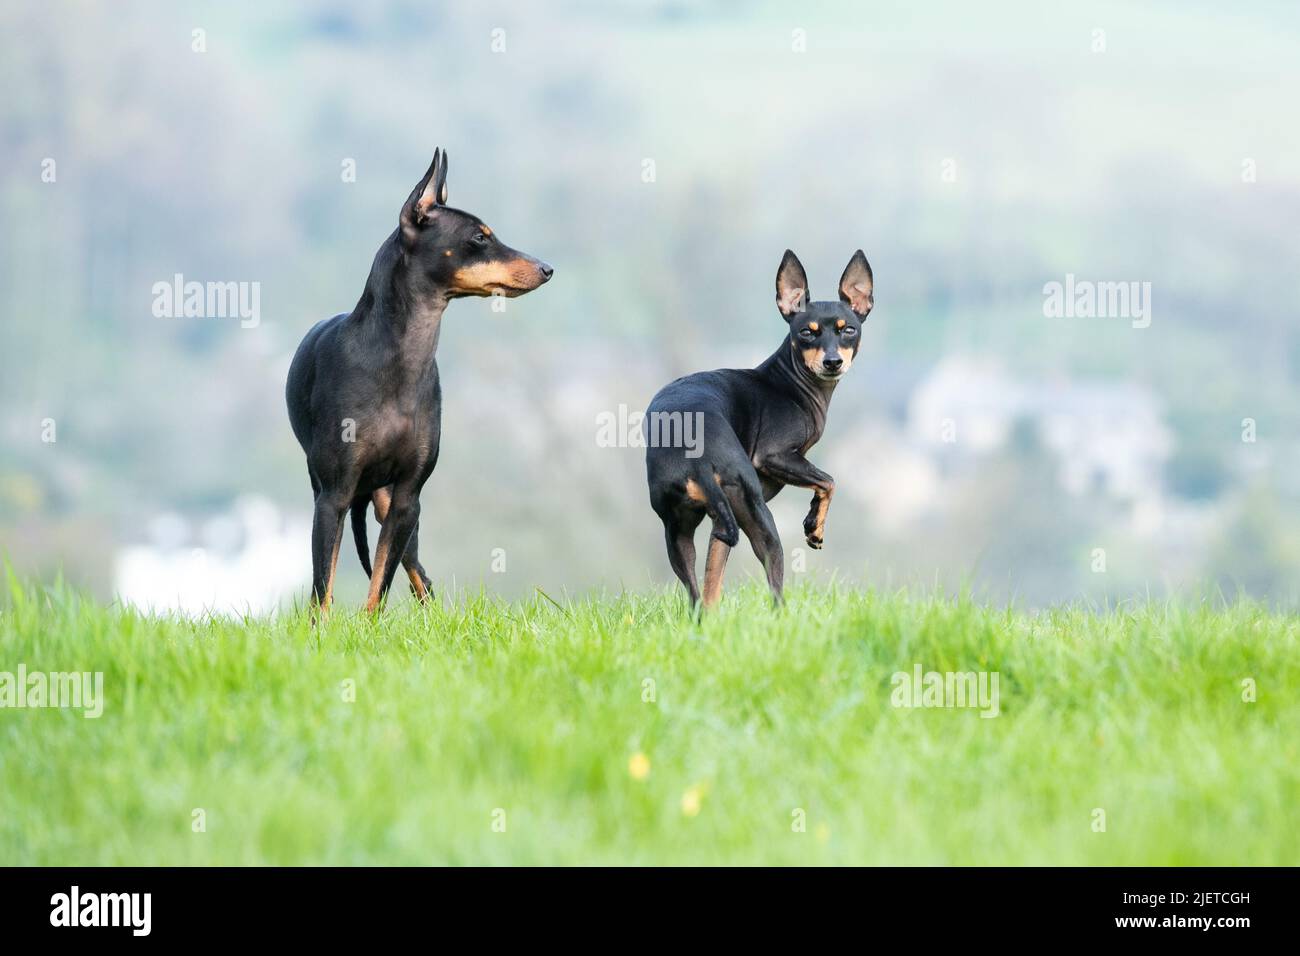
x=359, y=532
x=715, y=500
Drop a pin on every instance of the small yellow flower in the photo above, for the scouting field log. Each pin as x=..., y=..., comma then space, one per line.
x=638, y=767
x=691, y=800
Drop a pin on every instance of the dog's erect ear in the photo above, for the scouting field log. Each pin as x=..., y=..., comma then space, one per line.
x=430, y=191
x=857, y=287
x=791, y=285
x=439, y=182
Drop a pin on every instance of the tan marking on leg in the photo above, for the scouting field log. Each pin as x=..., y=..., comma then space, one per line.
x=382, y=498
x=334, y=565
x=377, y=574
x=714, y=565
x=822, y=504
x=694, y=491
x=417, y=585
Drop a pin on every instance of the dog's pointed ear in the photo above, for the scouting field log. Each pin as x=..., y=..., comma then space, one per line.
x=440, y=179
x=857, y=287
x=430, y=191
x=791, y=285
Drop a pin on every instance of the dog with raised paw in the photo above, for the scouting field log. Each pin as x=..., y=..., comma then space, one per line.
x=754, y=428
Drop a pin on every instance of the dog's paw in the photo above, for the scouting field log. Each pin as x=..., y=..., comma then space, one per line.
x=815, y=541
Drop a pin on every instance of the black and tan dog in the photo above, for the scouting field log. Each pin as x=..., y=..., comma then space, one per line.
x=755, y=427
x=363, y=392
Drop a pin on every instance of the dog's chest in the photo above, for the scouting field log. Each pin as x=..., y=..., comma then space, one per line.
x=785, y=427
x=400, y=430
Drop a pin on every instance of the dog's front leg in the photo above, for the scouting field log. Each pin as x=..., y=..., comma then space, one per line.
x=792, y=468
x=326, y=535
x=394, y=536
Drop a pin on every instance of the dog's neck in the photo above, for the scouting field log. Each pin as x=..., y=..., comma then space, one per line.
x=401, y=304
x=784, y=370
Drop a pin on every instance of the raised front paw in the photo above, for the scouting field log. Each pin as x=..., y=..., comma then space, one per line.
x=815, y=540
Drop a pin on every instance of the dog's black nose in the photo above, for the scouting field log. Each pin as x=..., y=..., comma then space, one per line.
x=547, y=271
x=832, y=364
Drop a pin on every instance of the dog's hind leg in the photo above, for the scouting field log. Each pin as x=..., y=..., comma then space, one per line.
x=400, y=521
x=714, y=565
x=420, y=583
x=756, y=521
x=708, y=492
x=679, y=534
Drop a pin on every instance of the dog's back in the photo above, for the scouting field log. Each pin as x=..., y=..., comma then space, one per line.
x=302, y=379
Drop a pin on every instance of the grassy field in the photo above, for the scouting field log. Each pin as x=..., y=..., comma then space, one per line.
x=619, y=732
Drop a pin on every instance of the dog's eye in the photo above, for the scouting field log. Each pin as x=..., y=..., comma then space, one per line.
x=806, y=333
x=480, y=240
x=848, y=332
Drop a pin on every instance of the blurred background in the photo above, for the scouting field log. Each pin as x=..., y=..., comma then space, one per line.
x=662, y=155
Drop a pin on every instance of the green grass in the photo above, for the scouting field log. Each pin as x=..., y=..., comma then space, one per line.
x=537, y=710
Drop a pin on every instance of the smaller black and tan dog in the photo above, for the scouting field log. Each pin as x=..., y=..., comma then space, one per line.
x=754, y=428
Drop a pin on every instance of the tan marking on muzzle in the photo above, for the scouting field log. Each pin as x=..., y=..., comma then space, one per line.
x=847, y=355
x=510, y=278
x=811, y=359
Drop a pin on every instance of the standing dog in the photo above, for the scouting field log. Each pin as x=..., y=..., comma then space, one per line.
x=755, y=426
x=363, y=393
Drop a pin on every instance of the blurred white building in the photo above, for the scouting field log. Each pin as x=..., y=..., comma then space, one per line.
x=250, y=559
x=1105, y=439
x=966, y=405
